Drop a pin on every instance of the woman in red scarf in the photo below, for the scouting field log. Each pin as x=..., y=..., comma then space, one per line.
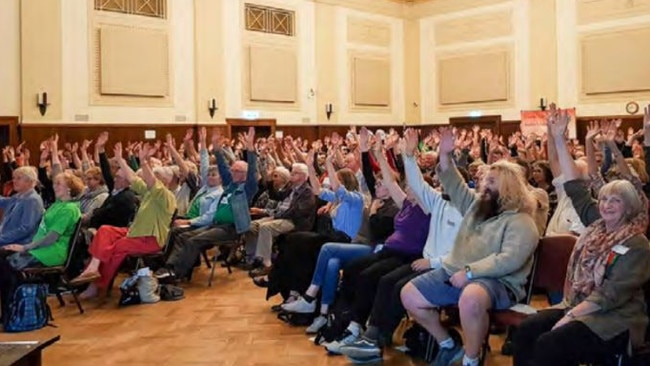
x=603, y=310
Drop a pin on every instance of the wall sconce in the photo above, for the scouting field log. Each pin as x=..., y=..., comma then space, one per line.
x=328, y=110
x=41, y=102
x=212, y=107
x=542, y=104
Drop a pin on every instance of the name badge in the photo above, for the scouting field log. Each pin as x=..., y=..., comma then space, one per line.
x=620, y=249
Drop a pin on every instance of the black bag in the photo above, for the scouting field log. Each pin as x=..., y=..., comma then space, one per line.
x=420, y=343
x=296, y=319
x=338, y=319
x=130, y=294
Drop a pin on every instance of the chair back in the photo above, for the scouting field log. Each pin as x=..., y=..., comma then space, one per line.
x=166, y=245
x=553, y=258
x=73, y=246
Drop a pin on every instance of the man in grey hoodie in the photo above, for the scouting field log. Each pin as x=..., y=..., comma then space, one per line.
x=490, y=260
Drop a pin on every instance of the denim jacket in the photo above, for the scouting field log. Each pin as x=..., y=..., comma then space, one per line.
x=243, y=193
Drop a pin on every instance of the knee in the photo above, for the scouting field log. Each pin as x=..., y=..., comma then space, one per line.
x=410, y=297
x=474, y=302
x=333, y=265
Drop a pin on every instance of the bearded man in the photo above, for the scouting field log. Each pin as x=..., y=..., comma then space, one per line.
x=490, y=260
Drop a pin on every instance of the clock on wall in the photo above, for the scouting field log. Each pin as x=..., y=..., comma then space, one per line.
x=632, y=107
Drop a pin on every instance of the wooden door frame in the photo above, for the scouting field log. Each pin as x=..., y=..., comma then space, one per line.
x=241, y=122
x=14, y=129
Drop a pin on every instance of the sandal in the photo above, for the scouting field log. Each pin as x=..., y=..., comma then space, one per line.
x=85, y=277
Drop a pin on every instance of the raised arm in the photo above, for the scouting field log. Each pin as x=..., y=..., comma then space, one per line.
x=125, y=169
x=176, y=157
x=204, y=157
x=610, y=137
x=104, y=165
x=366, y=167
x=558, y=120
x=313, y=179
x=331, y=172
x=592, y=131
x=56, y=161
x=388, y=177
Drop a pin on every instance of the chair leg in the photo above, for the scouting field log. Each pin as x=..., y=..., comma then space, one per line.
x=206, y=259
x=214, y=266
x=73, y=291
x=60, y=298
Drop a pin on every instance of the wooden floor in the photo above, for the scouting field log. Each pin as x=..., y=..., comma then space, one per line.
x=229, y=323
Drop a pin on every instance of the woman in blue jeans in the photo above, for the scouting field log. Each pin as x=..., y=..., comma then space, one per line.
x=334, y=256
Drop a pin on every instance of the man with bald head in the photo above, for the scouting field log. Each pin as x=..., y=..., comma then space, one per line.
x=232, y=215
x=295, y=211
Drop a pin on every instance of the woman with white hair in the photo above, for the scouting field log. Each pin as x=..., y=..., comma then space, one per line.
x=146, y=235
x=603, y=310
x=22, y=211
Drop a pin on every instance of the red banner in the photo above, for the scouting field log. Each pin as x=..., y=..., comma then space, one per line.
x=535, y=122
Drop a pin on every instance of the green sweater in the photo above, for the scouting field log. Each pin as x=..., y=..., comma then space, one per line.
x=501, y=247
x=61, y=218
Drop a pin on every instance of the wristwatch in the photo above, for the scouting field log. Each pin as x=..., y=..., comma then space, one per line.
x=468, y=272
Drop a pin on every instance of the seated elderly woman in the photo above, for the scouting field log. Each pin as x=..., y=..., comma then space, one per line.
x=22, y=211
x=49, y=247
x=95, y=193
x=603, y=309
x=147, y=234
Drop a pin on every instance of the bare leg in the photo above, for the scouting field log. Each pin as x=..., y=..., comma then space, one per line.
x=423, y=312
x=473, y=305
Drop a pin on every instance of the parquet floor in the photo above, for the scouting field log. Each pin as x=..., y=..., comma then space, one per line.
x=227, y=324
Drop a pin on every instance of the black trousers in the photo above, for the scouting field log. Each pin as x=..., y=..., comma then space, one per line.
x=189, y=243
x=535, y=344
x=8, y=282
x=361, y=278
x=387, y=310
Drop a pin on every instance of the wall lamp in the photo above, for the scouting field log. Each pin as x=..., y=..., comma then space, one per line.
x=212, y=107
x=41, y=102
x=329, y=109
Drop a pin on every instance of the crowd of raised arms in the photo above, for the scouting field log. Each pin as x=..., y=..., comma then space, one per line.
x=376, y=223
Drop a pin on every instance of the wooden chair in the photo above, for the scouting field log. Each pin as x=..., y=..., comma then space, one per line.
x=548, y=274
x=58, y=276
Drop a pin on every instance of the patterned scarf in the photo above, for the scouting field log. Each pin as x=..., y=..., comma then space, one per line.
x=591, y=256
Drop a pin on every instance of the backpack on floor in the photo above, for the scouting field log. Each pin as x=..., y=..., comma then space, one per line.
x=28, y=309
x=338, y=319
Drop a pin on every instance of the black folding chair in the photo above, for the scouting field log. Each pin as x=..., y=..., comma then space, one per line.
x=58, y=277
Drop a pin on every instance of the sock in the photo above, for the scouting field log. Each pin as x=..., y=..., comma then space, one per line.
x=312, y=290
x=372, y=333
x=308, y=298
x=354, y=328
x=294, y=293
x=447, y=343
x=324, y=309
x=470, y=361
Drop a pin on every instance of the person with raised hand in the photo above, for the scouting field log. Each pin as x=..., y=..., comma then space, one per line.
x=603, y=309
x=146, y=235
x=490, y=261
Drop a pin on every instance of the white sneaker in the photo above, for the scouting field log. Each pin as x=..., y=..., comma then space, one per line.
x=300, y=306
x=319, y=322
x=346, y=339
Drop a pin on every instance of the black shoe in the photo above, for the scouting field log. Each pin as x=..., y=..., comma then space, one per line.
x=276, y=308
x=249, y=266
x=164, y=273
x=261, y=282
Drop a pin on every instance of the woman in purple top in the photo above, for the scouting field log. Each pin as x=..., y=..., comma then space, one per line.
x=362, y=272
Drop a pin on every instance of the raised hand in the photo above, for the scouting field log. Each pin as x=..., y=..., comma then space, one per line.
x=592, y=130
x=85, y=144
x=217, y=140
x=364, y=136
x=188, y=134
x=447, y=140
x=102, y=139
x=249, y=138
x=411, y=141
x=74, y=148
x=117, y=150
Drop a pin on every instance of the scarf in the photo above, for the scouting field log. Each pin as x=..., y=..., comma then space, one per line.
x=591, y=256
